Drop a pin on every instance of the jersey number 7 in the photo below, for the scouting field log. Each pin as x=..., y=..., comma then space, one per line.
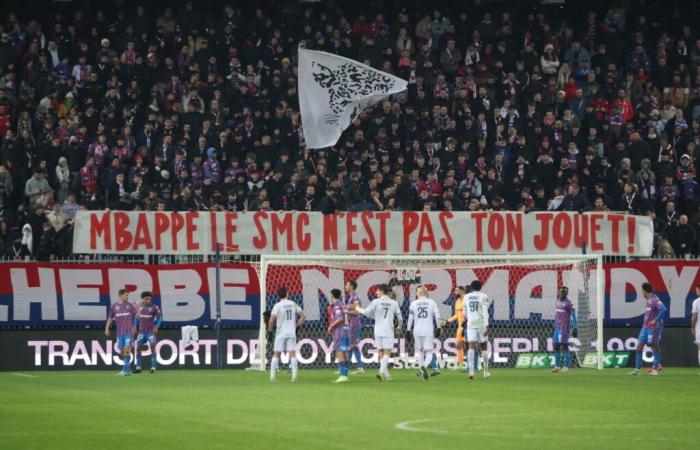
x=386, y=311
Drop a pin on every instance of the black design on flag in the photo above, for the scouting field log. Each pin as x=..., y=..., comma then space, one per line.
x=333, y=90
x=348, y=82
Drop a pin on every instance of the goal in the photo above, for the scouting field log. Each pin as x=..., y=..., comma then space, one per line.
x=522, y=290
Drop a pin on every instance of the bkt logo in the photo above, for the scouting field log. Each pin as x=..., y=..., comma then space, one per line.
x=546, y=360
x=610, y=359
x=534, y=360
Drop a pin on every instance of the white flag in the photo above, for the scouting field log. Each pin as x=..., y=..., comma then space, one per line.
x=333, y=90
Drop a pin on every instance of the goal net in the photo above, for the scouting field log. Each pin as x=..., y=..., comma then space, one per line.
x=522, y=290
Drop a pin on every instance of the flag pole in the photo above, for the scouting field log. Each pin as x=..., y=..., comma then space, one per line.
x=218, y=305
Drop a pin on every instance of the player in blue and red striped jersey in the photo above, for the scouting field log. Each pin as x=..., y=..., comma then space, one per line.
x=355, y=323
x=340, y=330
x=148, y=322
x=123, y=315
x=564, y=320
x=652, y=329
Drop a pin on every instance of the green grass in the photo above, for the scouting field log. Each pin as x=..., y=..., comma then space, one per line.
x=207, y=409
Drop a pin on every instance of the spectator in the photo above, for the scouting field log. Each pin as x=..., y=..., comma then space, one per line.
x=63, y=179
x=549, y=61
x=664, y=249
x=36, y=186
x=671, y=215
x=329, y=203
x=631, y=202
x=47, y=244
x=6, y=239
x=57, y=218
x=600, y=206
x=574, y=200
x=211, y=168
x=6, y=179
x=638, y=59
x=117, y=193
x=683, y=237
x=70, y=207
x=600, y=192
x=308, y=202
x=450, y=57
x=27, y=243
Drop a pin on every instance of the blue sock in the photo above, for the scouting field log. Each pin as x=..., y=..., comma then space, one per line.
x=358, y=357
x=557, y=359
x=657, y=359
x=138, y=359
x=476, y=360
x=154, y=360
x=567, y=358
x=344, y=368
x=638, y=361
x=127, y=367
x=433, y=362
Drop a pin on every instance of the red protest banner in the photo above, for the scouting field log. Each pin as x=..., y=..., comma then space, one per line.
x=367, y=232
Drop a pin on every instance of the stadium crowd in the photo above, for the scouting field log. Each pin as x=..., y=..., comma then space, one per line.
x=194, y=106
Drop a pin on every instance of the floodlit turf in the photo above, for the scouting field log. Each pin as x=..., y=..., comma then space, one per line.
x=206, y=409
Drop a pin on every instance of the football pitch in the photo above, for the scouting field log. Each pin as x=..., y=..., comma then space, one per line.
x=208, y=409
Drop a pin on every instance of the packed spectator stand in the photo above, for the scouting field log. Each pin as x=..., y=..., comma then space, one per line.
x=193, y=106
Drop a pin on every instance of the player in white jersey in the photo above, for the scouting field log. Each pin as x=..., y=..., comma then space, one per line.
x=476, y=313
x=383, y=309
x=422, y=316
x=694, y=322
x=285, y=313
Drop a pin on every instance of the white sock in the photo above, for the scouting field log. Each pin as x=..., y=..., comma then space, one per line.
x=428, y=359
x=485, y=362
x=419, y=359
x=273, y=366
x=470, y=361
x=295, y=367
x=698, y=356
x=384, y=366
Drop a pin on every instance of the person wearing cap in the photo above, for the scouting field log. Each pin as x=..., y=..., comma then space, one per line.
x=549, y=61
x=685, y=167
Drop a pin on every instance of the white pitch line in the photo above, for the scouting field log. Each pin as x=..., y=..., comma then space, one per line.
x=24, y=375
x=407, y=426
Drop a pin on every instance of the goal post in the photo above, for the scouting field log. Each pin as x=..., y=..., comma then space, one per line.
x=522, y=290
